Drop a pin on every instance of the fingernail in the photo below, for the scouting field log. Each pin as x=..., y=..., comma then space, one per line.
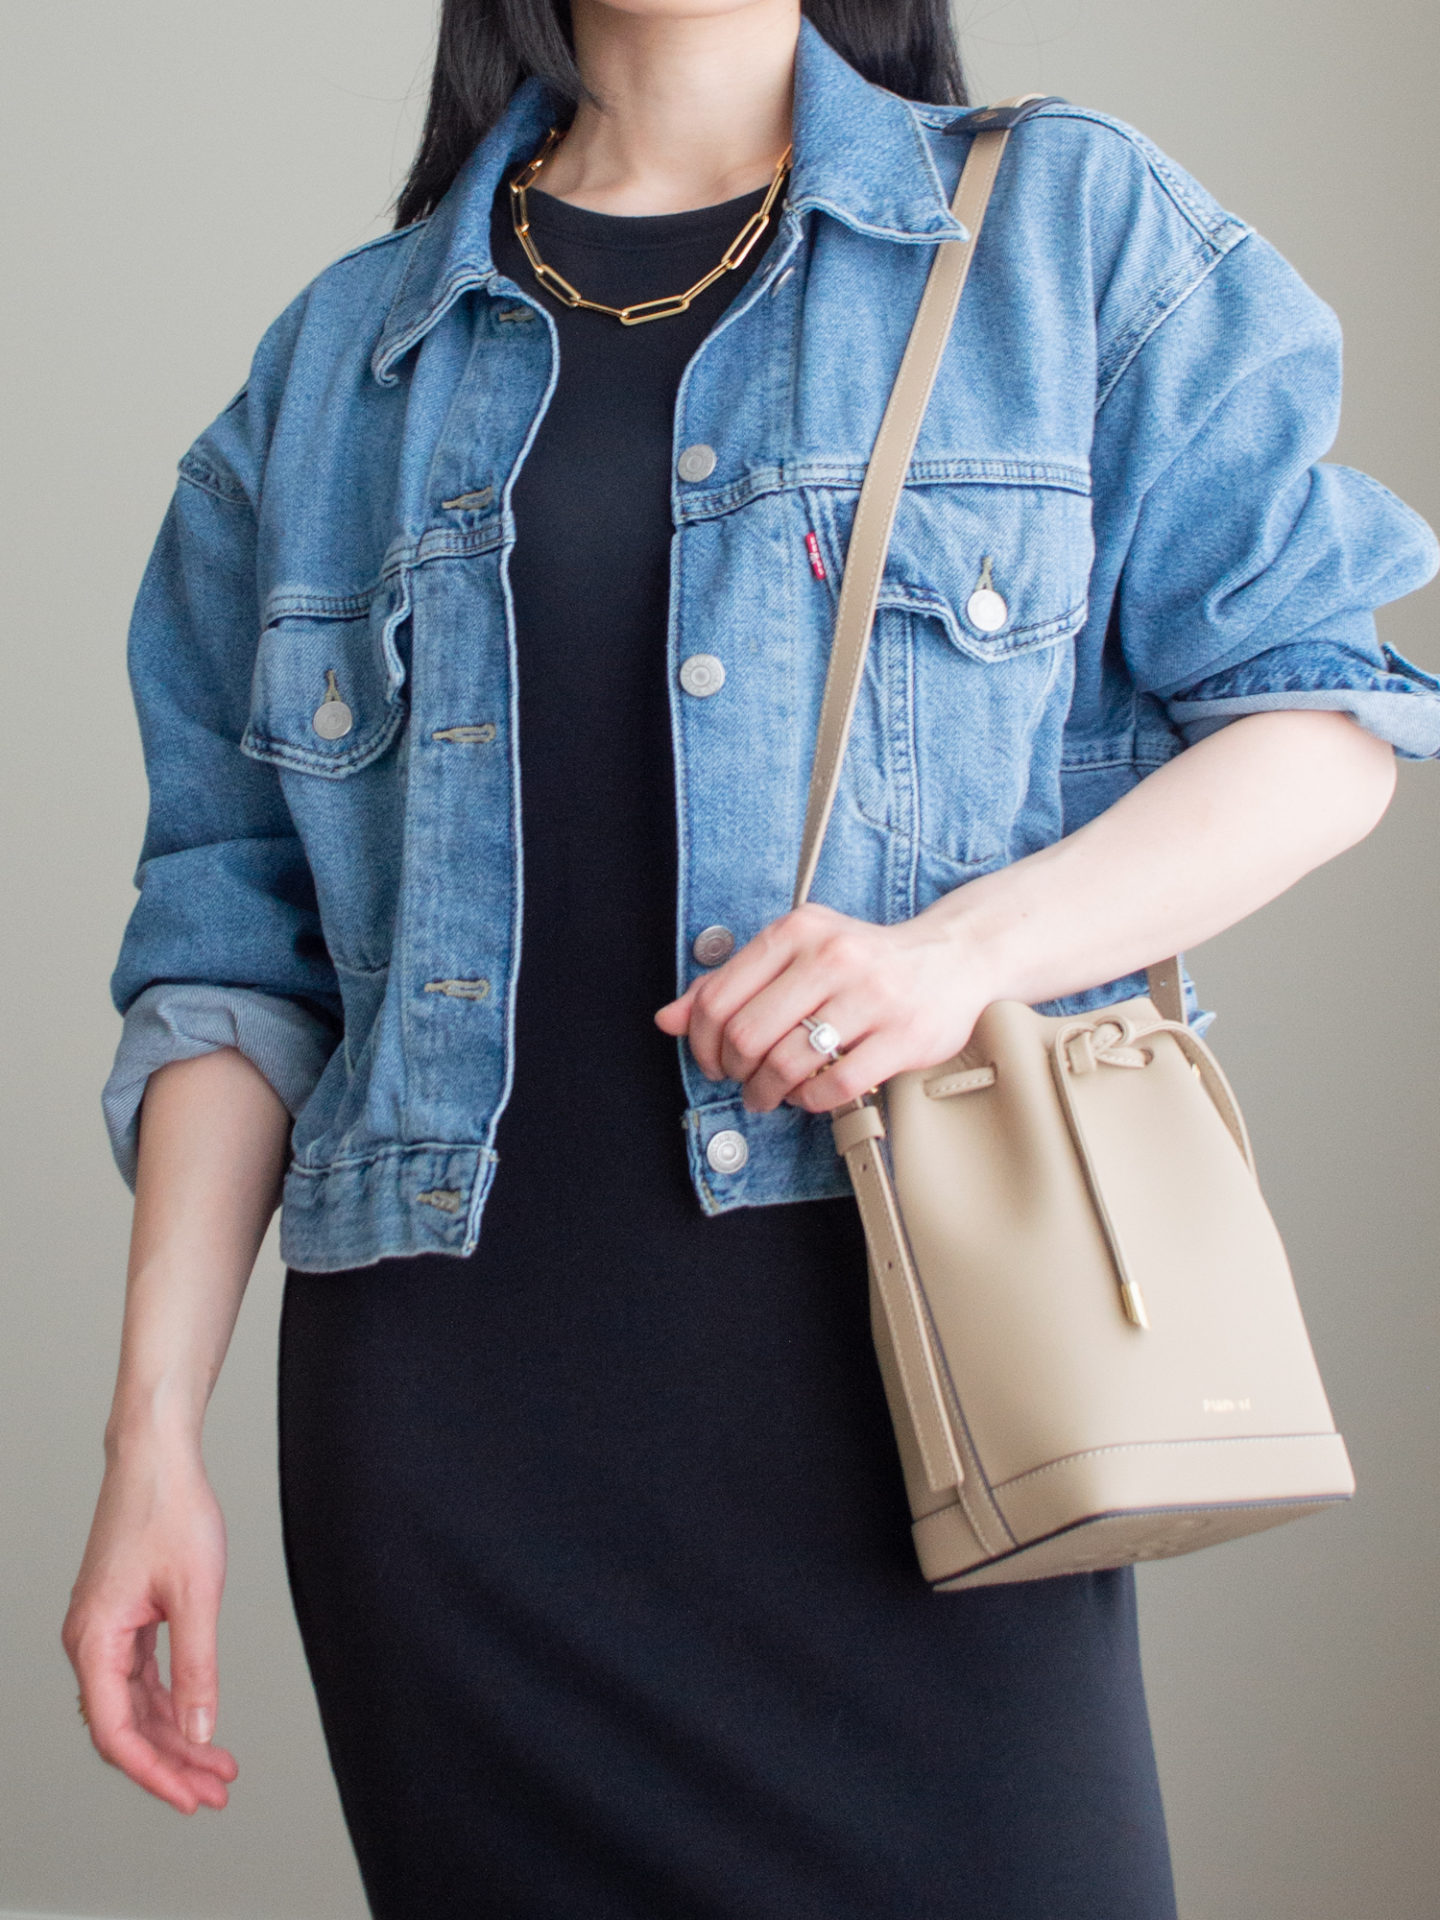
x=199, y=1725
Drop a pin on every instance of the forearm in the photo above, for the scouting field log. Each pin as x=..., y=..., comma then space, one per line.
x=213, y=1143
x=1205, y=840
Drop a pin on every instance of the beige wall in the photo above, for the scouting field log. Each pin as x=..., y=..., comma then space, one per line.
x=176, y=170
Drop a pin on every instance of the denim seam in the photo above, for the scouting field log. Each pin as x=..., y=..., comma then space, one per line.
x=463, y=282
x=1318, y=682
x=927, y=159
x=924, y=238
x=209, y=480
x=439, y=543
x=323, y=606
x=795, y=476
x=935, y=606
x=257, y=743
x=404, y=1149
x=1116, y=763
x=1163, y=304
x=1166, y=176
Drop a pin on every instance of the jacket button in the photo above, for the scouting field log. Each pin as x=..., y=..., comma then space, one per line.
x=712, y=945
x=697, y=462
x=986, y=610
x=332, y=720
x=728, y=1151
x=702, y=674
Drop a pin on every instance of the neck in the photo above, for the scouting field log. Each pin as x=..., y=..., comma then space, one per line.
x=694, y=109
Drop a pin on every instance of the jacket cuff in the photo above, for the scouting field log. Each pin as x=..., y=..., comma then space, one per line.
x=1388, y=695
x=176, y=1021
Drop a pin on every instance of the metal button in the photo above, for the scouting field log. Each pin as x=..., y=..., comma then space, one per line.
x=702, y=674
x=332, y=719
x=712, y=945
x=986, y=610
x=728, y=1151
x=697, y=462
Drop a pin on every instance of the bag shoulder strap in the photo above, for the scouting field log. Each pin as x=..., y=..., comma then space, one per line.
x=880, y=497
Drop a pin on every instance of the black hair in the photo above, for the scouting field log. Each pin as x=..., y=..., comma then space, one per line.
x=487, y=47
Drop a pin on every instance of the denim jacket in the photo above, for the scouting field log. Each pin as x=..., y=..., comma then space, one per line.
x=1123, y=449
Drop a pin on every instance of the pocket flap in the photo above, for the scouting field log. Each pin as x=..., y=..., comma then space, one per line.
x=1002, y=568
x=1002, y=563
x=327, y=691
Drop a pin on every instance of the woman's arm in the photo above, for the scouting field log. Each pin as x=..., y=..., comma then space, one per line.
x=213, y=1142
x=1222, y=828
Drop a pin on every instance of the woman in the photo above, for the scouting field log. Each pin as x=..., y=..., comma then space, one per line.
x=593, y=1519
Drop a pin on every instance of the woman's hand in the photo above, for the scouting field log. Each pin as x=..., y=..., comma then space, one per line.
x=213, y=1143
x=156, y=1552
x=899, y=997
x=1212, y=835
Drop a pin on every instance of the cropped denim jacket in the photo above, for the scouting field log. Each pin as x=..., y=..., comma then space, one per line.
x=1125, y=443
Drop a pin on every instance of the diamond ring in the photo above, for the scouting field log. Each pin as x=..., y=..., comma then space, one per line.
x=823, y=1037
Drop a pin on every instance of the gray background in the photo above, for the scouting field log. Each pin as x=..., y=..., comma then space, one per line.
x=175, y=171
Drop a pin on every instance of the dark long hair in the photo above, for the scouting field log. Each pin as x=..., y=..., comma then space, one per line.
x=487, y=47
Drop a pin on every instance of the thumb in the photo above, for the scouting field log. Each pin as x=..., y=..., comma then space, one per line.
x=194, y=1667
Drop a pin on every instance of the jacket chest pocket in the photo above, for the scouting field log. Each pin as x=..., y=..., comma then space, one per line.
x=986, y=584
x=327, y=695
x=328, y=702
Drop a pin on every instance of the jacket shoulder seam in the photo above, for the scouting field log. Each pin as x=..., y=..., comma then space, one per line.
x=1164, y=302
x=1166, y=174
x=1220, y=232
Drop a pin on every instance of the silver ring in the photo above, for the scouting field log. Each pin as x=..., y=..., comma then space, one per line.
x=823, y=1037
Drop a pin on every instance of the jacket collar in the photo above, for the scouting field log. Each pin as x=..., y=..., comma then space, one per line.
x=861, y=155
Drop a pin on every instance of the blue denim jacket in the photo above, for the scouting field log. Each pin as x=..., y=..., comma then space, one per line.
x=1123, y=442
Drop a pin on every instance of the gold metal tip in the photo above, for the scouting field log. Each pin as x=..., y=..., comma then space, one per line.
x=1134, y=1304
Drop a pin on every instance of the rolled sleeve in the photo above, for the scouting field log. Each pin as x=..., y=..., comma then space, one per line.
x=1386, y=694
x=1246, y=568
x=176, y=1021
x=224, y=946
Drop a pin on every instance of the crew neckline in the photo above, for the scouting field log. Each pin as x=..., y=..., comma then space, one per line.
x=564, y=220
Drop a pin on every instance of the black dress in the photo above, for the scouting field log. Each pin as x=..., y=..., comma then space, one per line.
x=597, y=1539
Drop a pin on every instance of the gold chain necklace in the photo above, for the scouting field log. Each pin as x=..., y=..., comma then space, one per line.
x=642, y=310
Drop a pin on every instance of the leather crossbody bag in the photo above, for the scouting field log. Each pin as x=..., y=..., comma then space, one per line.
x=1088, y=1332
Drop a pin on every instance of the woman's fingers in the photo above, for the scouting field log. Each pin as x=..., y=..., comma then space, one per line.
x=674, y=1016
x=718, y=996
x=771, y=1022
x=118, y=1684
x=870, y=1065
x=741, y=1011
x=792, y=1060
x=156, y=1554
x=194, y=1680
x=895, y=995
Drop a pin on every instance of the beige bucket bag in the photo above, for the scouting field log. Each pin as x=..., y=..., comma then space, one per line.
x=1085, y=1320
